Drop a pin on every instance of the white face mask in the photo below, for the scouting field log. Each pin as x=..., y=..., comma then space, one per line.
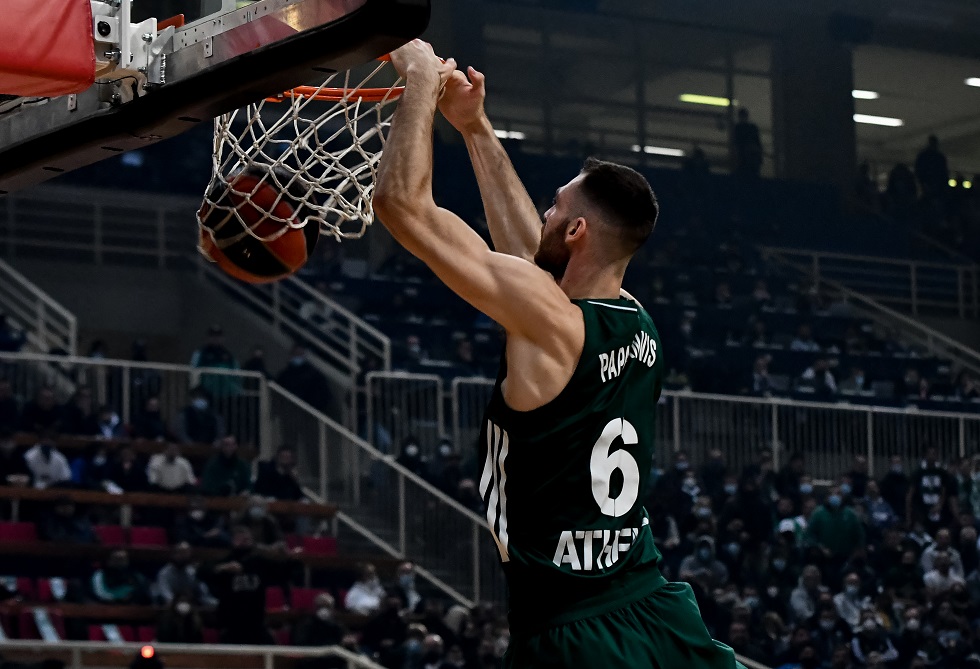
x=197, y=514
x=183, y=608
x=324, y=614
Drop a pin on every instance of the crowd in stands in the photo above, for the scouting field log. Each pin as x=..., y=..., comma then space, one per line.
x=852, y=573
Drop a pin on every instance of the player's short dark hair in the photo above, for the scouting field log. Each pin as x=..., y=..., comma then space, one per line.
x=625, y=198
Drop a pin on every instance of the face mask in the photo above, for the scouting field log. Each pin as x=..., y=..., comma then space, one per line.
x=733, y=549
x=682, y=465
x=859, y=380
x=199, y=403
x=845, y=488
x=731, y=488
x=826, y=625
x=897, y=469
x=411, y=450
x=183, y=608
x=197, y=514
x=934, y=517
x=834, y=501
x=869, y=626
x=324, y=614
x=98, y=460
x=445, y=451
x=296, y=361
x=407, y=581
x=751, y=602
x=703, y=512
x=806, y=489
x=256, y=512
x=772, y=591
x=413, y=646
x=852, y=590
x=779, y=564
x=913, y=625
x=704, y=554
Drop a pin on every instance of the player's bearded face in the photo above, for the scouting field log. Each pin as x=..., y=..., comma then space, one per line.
x=553, y=254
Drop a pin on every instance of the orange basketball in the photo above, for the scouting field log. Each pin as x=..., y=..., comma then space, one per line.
x=256, y=199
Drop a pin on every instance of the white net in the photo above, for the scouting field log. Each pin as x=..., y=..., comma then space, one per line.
x=310, y=157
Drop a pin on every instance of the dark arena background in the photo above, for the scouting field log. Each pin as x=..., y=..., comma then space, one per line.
x=814, y=278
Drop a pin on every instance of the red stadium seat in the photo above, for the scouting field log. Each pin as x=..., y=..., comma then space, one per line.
x=320, y=545
x=294, y=541
x=98, y=633
x=18, y=532
x=25, y=587
x=146, y=633
x=28, y=627
x=210, y=635
x=111, y=535
x=275, y=599
x=148, y=536
x=48, y=592
x=302, y=598
x=281, y=636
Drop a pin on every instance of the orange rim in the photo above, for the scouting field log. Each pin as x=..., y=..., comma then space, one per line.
x=340, y=94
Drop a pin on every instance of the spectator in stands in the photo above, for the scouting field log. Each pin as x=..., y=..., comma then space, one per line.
x=804, y=340
x=932, y=171
x=758, y=336
x=65, y=525
x=9, y=409
x=703, y=566
x=265, y=529
x=226, y=473
x=13, y=467
x=967, y=387
x=178, y=579
x=410, y=456
x=464, y=359
x=149, y=424
x=277, y=478
x=118, y=583
x=856, y=480
x=385, y=632
x=806, y=595
x=109, y=425
x=943, y=545
x=819, y=378
x=170, y=471
x=93, y=469
x=302, y=379
x=181, y=622
x=48, y=467
x=404, y=587
x=319, y=628
x=870, y=640
x=789, y=478
x=79, y=416
x=855, y=383
x=40, y=413
x=851, y=601
x=198, y=422
x=199, y=527
x=366, y=594
x=713, y=473
x=895, y=486
x=931, y=489
x=879, y=514
x=760, y=384
x=835, y=530
x=747, y=146
x=910, y=384
x=723, y=294
x=128, y=472
x=256, y=361
x=143, y=382
x=760, y=293
x=214, y=354
x=11, y=339
x=741, y=643
x=239, y=582
x=940, y=580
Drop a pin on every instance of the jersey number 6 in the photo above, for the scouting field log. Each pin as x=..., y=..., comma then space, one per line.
x=603, y=464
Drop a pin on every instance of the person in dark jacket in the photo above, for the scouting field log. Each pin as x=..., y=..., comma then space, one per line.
x=302, y=379
x=9, y=408
x=79, y=416
x=198, y=422
x=277, y=478
x=65, y=526
x=12, y=463
x=149, y=424
x=180, y=623
x=226, y=473
x=40, y=413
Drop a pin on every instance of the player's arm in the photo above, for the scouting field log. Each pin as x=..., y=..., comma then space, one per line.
x=520, y=296
x=515, y=226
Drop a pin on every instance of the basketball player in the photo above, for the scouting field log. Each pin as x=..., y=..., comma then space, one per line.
x=568, y=437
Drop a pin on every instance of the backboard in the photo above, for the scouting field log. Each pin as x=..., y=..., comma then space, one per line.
x=180, y=75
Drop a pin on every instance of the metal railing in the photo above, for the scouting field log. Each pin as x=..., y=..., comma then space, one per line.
x=47, y=324
x=335, y=334
x=945, y=289
x=239, y=398
x=896, y=323
x=99, y=654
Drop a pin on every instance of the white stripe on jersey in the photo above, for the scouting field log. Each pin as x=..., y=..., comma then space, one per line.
x=612, y=306
x=498, y=444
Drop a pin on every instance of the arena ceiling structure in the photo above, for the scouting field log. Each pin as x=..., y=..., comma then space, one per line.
x=616, y=76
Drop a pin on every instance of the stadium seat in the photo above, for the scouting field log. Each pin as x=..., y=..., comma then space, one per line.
x=148, y=536
x=25, y=588
x=302, y=599
x=18, y=532
x=294, y=541
x=146, y=633
x=27, y=625
x=98, y=633
x=275, y=599
x=111, y=535
x=320, y=545
x=51, y=589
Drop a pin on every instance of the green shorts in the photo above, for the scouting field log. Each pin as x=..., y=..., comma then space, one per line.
x=663, y=630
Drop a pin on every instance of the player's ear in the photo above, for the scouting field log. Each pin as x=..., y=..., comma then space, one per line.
x=576, y=229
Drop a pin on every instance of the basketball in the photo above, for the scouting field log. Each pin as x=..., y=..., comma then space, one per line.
x=254, y=200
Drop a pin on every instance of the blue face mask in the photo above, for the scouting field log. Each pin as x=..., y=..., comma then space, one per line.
x=730, y=488
x=806, y=489
x=834, y=501
x=845, y=488
x=296, y=361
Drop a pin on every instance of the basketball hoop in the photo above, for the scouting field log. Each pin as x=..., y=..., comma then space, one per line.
x=316, y=145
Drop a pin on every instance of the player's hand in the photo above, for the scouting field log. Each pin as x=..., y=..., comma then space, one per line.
x=462, y=99
x=416, y=59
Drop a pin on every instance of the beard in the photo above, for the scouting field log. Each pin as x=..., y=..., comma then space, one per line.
x=553, y=255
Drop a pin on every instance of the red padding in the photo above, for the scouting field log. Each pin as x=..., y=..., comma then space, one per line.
x=46, y=47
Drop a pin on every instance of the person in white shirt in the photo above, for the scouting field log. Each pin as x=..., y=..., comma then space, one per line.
x=170, y=471
x=944, y=544
x=941, y=579
x=850, y=603
x=367, y=593
x=46, y=463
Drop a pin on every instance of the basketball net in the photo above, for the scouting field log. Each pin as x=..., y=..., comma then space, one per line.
x=318, y=146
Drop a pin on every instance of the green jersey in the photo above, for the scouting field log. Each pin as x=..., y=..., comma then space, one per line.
x=563, y=483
